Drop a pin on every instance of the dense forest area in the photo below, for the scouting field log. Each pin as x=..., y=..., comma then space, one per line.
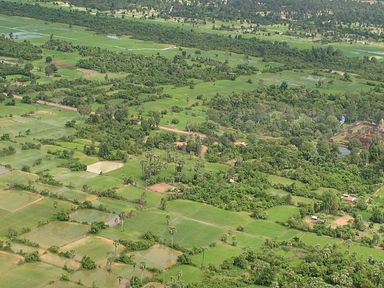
x=265, y=12
x=278, y=51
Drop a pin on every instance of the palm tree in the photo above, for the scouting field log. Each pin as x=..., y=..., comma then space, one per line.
x=168, y=219
x=122, y=216
x=115, y=245
x=142, y=268
x=172, y=231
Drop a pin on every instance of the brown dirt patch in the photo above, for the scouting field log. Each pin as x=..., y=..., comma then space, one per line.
x=91, y=198
x=231, y=162
x=363, y=131
x=162, y=188
x=64, y=64
x=204, y=150
x=342, y=221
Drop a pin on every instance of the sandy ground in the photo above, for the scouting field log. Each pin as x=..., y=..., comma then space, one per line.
x=104, y=166
x=204, y=150
x=342, y=221
x=180, y=144
x=161, y=187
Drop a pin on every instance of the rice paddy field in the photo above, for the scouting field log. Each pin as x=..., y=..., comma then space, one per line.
x=196, y=224
x=52, y=210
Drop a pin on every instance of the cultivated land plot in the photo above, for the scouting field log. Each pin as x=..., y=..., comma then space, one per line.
x=90, y=216
x=30, y=275
x=98, y=248
x=30, y=216
x=216, y=255
x=57, y=233
x=13, y=200
x=104, y=167
x=158, y=256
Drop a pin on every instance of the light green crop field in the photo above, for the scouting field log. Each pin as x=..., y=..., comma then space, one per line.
x=282, y=213
x=12, y=200
x=97, y=248
x=90, y=216
x=57, y=233
x=30, y=275
x=30, y=216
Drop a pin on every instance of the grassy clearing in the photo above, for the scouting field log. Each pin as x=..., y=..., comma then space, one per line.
x=190, y=274
x=216, y=255
x=282, y=213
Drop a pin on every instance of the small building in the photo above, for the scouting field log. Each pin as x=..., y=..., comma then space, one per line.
x=315, y=218
x=349, y=198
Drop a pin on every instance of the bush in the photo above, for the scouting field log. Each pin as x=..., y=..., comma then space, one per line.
x=87, y=263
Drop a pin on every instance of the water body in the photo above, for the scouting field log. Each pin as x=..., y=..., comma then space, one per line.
x=114, y=37
x=27, y=35
x=344, y=151
x=3, y=170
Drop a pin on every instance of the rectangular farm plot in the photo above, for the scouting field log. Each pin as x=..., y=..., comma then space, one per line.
x=104, y=167
x=57, y=233
x=30, y=275
x=90, y=216
x=98, y=248
x=13, y=200
x=31, y=215
x=158, y=256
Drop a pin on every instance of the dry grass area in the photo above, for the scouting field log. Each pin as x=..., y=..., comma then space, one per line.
x=89, y=74
x=104, y=166
x=162, y=188
x=56, y=260
x=44, y=112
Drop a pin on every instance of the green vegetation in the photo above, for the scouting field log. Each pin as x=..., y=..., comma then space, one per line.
x=211, y=144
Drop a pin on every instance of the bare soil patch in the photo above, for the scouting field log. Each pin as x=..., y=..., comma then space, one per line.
x=162, y=188
x=342, y=221
x=104, y=166
x=204, y=150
